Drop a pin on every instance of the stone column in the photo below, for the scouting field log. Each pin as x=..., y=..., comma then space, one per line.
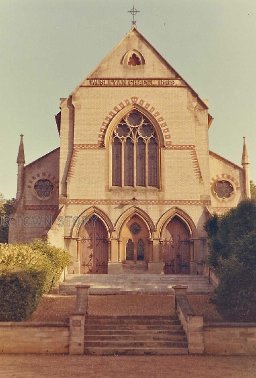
x=179, y=290
x=76, y=333
x=82, y=292
x=195, y=334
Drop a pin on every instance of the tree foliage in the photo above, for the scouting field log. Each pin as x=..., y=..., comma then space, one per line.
x=6, y=208
x=253, y=190
x=232, y=242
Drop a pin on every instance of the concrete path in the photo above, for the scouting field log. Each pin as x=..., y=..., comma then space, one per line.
x=31, y=366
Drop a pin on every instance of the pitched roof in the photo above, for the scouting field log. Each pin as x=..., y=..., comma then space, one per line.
x=155, y=67
x=216, y=156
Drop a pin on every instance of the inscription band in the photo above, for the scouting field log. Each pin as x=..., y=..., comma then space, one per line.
x=115, y=82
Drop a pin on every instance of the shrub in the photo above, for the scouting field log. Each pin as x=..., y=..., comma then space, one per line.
x=235, y=297
x=19, y=294
x=232, y=245
x=23, y=257
x=27, y=271
x=39, y=256
x=58, y=258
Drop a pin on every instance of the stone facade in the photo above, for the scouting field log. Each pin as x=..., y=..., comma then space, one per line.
x=105, y=225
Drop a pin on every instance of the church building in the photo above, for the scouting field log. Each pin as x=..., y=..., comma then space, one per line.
x=132, y=182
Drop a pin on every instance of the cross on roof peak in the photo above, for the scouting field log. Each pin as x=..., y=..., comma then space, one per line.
x=133, y=12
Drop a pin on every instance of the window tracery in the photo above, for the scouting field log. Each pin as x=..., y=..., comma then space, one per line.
x=135, y=152
x=134, y=60
x=43, y=188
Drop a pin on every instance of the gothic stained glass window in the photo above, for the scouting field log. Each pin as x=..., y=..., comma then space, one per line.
x=130, y=250
x=140, y=250
x=135, y=152
x=128, y=162
x=117, y=162
x=140, y=162
x=152, y=162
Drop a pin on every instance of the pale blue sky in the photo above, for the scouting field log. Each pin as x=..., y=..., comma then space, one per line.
x=48, y=46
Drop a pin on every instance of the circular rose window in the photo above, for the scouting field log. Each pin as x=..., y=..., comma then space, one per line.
x=44, y=188
x=135, y=228
x=223, y=189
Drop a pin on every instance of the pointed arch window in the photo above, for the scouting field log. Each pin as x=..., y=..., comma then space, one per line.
x=140, y=250
x=130, y=250
x=135, y=152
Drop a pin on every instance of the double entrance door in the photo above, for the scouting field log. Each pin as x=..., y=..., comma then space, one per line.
x=176, y=247
x=93, y=247
x=134, y=245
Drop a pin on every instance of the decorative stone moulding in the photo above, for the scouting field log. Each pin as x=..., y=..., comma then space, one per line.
x=137, y=103
x=43, y=185
x=224, y=187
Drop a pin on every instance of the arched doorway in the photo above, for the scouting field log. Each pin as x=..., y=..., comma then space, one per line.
x=176, y=247
x=134, y=240
x=93, y=246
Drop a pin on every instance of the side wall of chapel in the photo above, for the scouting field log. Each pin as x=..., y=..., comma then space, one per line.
x=33, y=216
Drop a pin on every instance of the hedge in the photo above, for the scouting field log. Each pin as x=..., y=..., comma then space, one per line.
x=19, y=294
x=27, y=272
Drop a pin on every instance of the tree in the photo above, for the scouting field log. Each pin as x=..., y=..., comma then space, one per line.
x=6, y=208
x=232, y=242
x=253, y=189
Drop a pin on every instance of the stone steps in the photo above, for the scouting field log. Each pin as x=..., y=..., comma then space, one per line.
x=135, y=351
x=138, y=327
x=125, y=321
x=140, y=336
x=124, y=335
x=135, y=332
x=133, y=283
x=135, y=344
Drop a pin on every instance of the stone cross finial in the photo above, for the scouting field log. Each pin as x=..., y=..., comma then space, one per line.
x=133, y=12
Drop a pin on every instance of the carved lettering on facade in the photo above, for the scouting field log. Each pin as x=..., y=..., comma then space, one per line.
x=134, y=83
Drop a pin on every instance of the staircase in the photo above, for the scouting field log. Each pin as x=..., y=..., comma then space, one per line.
x=137, y=335
x=141, y=283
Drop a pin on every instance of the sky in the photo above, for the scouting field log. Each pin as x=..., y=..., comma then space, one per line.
x=48, y=47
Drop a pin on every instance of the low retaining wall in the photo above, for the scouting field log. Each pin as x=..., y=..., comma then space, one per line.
x=191, y=323
x=230, y=338
x=37, y=338
x=61, y=338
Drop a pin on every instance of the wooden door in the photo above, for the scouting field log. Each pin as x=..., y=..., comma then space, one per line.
x=176, y=247
x=93, y=247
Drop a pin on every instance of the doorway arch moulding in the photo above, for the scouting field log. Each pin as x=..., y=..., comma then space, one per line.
x=131, y=212
x=87, y=214
x=169, y=215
